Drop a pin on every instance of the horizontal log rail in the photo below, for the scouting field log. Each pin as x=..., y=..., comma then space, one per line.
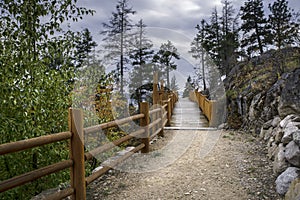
x=152, y=123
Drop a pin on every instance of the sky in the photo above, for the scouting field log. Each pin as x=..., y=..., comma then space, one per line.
x=173, y=20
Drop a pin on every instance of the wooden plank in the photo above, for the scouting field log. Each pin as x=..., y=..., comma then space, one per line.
x=60, y=194
x=144, y=109
x=108, y=146
x=33, y=142
x=103, y=126
x=77, y=154
x=102, y=171
x=33, y=175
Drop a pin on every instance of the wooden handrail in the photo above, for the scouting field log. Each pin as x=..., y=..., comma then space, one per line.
x=33, y=142
x=106, y=125
x=33, y=175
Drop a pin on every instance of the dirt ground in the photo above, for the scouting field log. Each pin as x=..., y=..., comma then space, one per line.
x=233, y=166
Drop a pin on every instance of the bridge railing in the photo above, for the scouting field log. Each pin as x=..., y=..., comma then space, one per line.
x=152, y=123
x=208, y=107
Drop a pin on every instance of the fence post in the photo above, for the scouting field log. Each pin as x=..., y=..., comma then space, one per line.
x=144, y=109
x=155, y=95
x=161, y=113
x=169, y=110
x=77, y=154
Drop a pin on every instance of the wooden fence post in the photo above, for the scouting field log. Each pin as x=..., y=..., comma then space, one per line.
x=144, y=109
x=161, y=113
x=77, y=154
x=169, y=110
x=155, y=94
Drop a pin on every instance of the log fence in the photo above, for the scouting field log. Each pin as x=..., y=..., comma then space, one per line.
x=152, y=123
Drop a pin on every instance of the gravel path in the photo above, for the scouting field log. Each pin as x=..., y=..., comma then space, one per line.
x=212, y=165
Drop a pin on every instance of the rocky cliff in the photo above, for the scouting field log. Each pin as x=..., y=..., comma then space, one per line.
x=263, y=96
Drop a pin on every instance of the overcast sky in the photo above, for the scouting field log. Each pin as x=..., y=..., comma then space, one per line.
x=173, y=20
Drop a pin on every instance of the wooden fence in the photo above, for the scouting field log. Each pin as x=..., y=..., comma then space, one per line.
x=152, y=123
x=207, y=106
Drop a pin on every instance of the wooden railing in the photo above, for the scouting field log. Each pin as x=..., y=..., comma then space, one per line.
x=207, y=106
x=152, y=123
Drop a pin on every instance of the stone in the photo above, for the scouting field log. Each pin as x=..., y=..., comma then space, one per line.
x=292, y=154
x=253, y=107
x=288, y=133
x=267, y=124
x=284, y=180
x=275, y=122
x=272, y=151
x=280, y=163
x=294, y=191
x=278, y=133
x=296, y=137
x=290, y=95
x=288, y=119
x=268, y=134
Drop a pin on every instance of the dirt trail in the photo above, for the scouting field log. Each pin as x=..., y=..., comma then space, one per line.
x=235, y=168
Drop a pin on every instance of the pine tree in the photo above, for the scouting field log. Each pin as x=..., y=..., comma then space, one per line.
x=84, y=47
x=117, y=37
x=256, y=32
x=141, y=56
x=282, y=30
x=174, y=85
x=198, y=51
x=164, y=57
x=229, y=42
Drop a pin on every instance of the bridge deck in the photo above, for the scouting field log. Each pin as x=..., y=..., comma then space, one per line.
x=187, y=115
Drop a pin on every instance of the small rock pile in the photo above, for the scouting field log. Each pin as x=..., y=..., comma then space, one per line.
x=283, y=143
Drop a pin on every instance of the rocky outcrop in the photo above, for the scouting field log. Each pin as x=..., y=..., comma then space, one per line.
x=266, y=102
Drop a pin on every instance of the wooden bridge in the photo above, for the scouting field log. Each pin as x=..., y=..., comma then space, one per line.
x=186, y=115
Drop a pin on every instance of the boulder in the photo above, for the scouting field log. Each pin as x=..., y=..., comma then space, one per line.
x=253, y=112
x=296, y=137
x=284, y=180
x=272, y=151
x=278, y=133
x=288, y=133
x=294, y=191
x=275, y=122
x=268, y=134
x=288, y=119
x=280, y=163
x=290, y=95
x=292, y=154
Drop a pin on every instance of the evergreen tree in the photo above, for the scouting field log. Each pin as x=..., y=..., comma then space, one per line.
x=189, y=86
x=229, y=41
x=254, y=26
x=141, y=55
x=198, y=51
x=118, y=37
x=174, y=85
x=164, y=57
x=282, y=30
x=84, y=47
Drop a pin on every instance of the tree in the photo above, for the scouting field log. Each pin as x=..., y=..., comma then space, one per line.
x=254, y=26
x=189, y=86
x=197, y=49
x=84, y=47
x=174, y=85
x=117, y=37
x=141, y=55
x=35, y=89
x=229, y=42
x=282, y=30
x=164, y=58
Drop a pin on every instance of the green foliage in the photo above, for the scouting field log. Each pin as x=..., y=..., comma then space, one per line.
x=164, y=58
x=36, y=75
x=174, y=85
x=256, y=33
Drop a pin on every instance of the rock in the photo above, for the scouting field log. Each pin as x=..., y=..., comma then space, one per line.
x=275, y=121
x=278, y=133
x=292, y=154
x=284, y=180
x=289, y=119
x=290, y=95
x=268, y=134
x=253, y=107
x=288, y=133
x=296, y=137
x=280, y=163
x=294, y=191
x=272, y=151
x=268, y=124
